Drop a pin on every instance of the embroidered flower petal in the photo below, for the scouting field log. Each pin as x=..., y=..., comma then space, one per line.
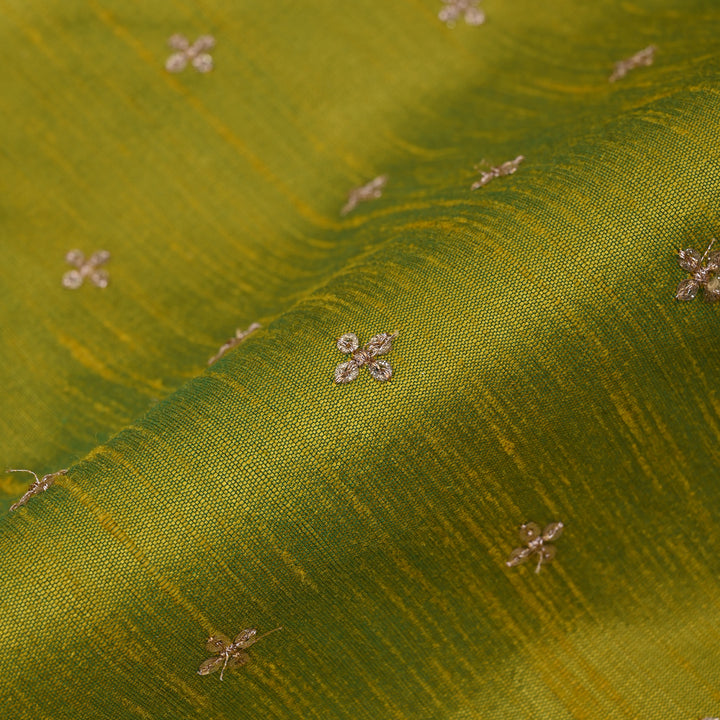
x=72, y=279
x=529, y=532
x=381, y=370
x=688, y=259
x=75, y=257
x=211, y=665
x=203, y=43
x=176, y=62
x=474, y=16
x=178, y=42
x=380, y=344
x=99, y=257
x=346, y=372
x=347, y=343
x=518, y=556
x=203, y=63
x=687, y=289
x=712, y=290
x=713, y=263
x=552, y=531
x=100, y=278
x=238, y=658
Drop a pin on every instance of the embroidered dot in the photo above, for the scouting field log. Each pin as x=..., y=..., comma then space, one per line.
x=348, y=344
x=230, y=653
x=507, y=168
x=536, y=543
x=642, y=58
x=369, y=191
x=89, y=269
x=240, y=335
x=195, y=54
x=466, y=9
x=38, y=486
x=704, y=273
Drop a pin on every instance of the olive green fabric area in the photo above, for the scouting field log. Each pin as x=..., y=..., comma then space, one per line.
x=543, y=369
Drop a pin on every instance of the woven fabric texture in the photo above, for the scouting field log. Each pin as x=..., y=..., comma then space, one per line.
x=543, y=370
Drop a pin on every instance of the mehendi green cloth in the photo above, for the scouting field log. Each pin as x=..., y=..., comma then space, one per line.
x=543, y=370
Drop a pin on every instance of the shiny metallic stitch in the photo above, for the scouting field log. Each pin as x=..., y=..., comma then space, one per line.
x=507, y=168
x=40, y=485
x=195, y=54
x=381, y=370
x=240, y=335
x=86, y=268
x=466, y=9
x=370, y=191
x=642, y=58
x=536, y=543
x=230, y=653
x=704, y=272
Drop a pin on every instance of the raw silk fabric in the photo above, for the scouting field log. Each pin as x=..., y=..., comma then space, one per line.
x=543, y=370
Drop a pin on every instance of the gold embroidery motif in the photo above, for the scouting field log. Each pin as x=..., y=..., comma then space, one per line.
x=704, y=273
x=369, y=191
x=507, y=168
x=240, y=335
x=381, y=370
x=230, y=653
x=466, y=9
x=195, y=54
x=40, y=485
x=536, y=543
x=644, y=57
x=89, y=268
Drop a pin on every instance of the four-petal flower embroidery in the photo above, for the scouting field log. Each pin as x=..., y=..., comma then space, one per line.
x=195, y=54
x=467, y=9
x=369, y=191
x=536, y=543
x=86, y=268
x=507, y=168
x=230, y=653
x=40, y=485
x=704, y=272
x=381, y=370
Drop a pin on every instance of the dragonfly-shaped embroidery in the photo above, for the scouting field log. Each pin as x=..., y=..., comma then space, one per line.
x=370, y=191
x=240, y=335
x=536, y=543
x=507, y=168
x=704, y=271
x=40, y=485
x=381, y=370
x=230, y=653
x=196, y=54
x=641, y=58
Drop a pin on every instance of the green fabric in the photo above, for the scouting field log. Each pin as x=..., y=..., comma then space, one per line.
x=543, y=369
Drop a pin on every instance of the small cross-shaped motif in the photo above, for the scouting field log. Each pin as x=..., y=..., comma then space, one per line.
x=641, y=58
x=467, y=9
x=507, y=168
x=381, y=370
x=536, y=543
x=369, y=191
x=195, y=54
x=230, y=653
x=40, y=485
x=89, y=268
x=240, y=335
x=705, y=273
